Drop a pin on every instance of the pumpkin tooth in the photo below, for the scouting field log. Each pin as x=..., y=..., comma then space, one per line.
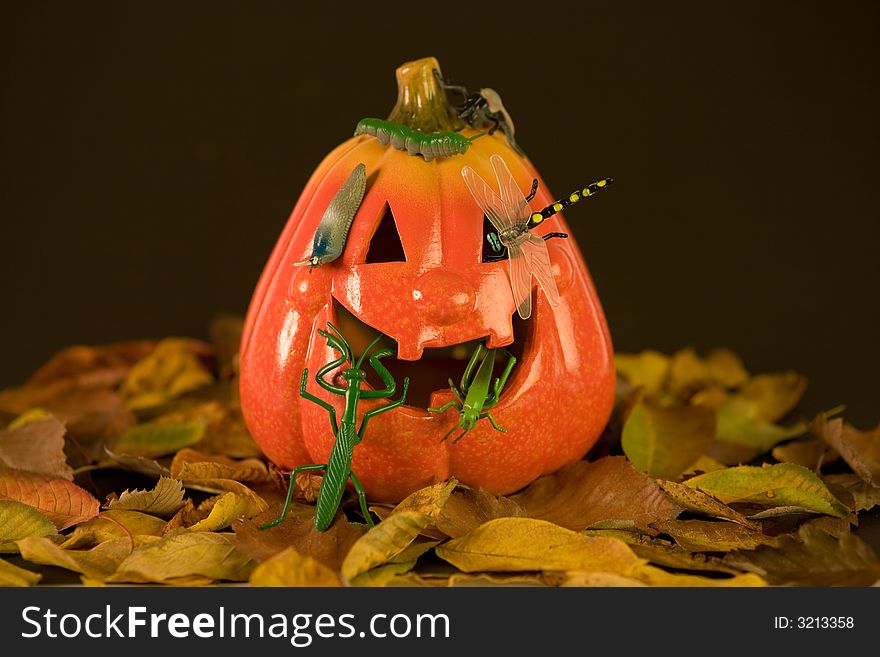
x=409, y=351
x=497, y=340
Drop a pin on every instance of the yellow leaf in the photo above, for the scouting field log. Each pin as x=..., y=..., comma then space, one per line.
x=92, y=583
x=171, y=370
x=625, y=530
x=726, y=368
x=163, y=500
x=663, y=442
x=12, y=575
x=704, y=464
x=743, y=435
x=159, y=438
x=19, y=521
x=698, y=502
x=646, y=370
x=98, y=562
x=184, y=555
x=62, y=501
x=673, y=556
x=414, y=550
x=687, y=372
x=783, y=484
x=255, y=503
x=383, y=575
x=482, y=580
x=229, y=507
x=110, y=525
x=658, y=577
x=707, y=536
x=31, y=415
x=525, y=544
x=603, y=580
x=712, y=396
x=428, y=500
x=188, y=464
x=225, y=431
x=773, y=395
x=384, y=541
x=290, y=568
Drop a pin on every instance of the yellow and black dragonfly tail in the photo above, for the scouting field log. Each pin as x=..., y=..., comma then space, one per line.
x=571, y=199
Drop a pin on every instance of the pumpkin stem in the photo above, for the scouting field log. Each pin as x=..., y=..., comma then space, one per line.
x=421, y=100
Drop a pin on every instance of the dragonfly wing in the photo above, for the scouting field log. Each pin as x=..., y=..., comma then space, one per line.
x=486, y=198
x=537, y=257
x=511, y=196
x=520, y=281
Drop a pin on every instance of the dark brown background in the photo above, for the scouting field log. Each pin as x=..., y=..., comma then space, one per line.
x=150, y=154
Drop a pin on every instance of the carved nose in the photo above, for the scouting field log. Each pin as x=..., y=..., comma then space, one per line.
x=443, y=297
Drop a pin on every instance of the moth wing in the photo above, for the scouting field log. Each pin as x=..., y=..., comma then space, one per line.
x=520, y=281
x=537, y=259
x=490, y=203
x=513, y=200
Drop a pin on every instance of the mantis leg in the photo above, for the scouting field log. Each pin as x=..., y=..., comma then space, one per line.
x=362, y=498
x=320, y=402
x=448, y=404
x=384, y=374
x=382, y=409
x=334, y=343
x=314, y=467
x=492, y=420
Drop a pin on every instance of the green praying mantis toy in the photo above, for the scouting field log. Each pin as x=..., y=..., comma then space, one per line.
x=337, y=470
x=474, y=399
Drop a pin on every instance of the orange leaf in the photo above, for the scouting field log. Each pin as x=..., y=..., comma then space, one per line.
x=860, y=449
x=583, y=493
x=62, y=501
x=298, y=531
x=36, y=447
x=466, y=510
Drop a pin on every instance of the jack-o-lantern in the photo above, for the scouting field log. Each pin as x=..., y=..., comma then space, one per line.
x=414, y=268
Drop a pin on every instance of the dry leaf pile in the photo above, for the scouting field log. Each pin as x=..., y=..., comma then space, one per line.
x=130, y=463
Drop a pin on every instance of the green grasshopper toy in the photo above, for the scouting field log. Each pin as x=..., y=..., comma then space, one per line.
x=337, y=470
x=476, y=401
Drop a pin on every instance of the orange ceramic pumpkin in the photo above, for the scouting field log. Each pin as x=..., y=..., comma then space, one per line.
x=412, y=269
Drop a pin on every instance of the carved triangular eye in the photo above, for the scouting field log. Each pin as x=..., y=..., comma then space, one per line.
x=385, y=245
x=493, y=249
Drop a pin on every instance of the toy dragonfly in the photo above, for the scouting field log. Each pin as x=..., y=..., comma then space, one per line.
x=509, y=214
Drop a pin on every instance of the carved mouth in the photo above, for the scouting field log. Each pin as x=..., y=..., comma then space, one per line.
x=431, y=373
